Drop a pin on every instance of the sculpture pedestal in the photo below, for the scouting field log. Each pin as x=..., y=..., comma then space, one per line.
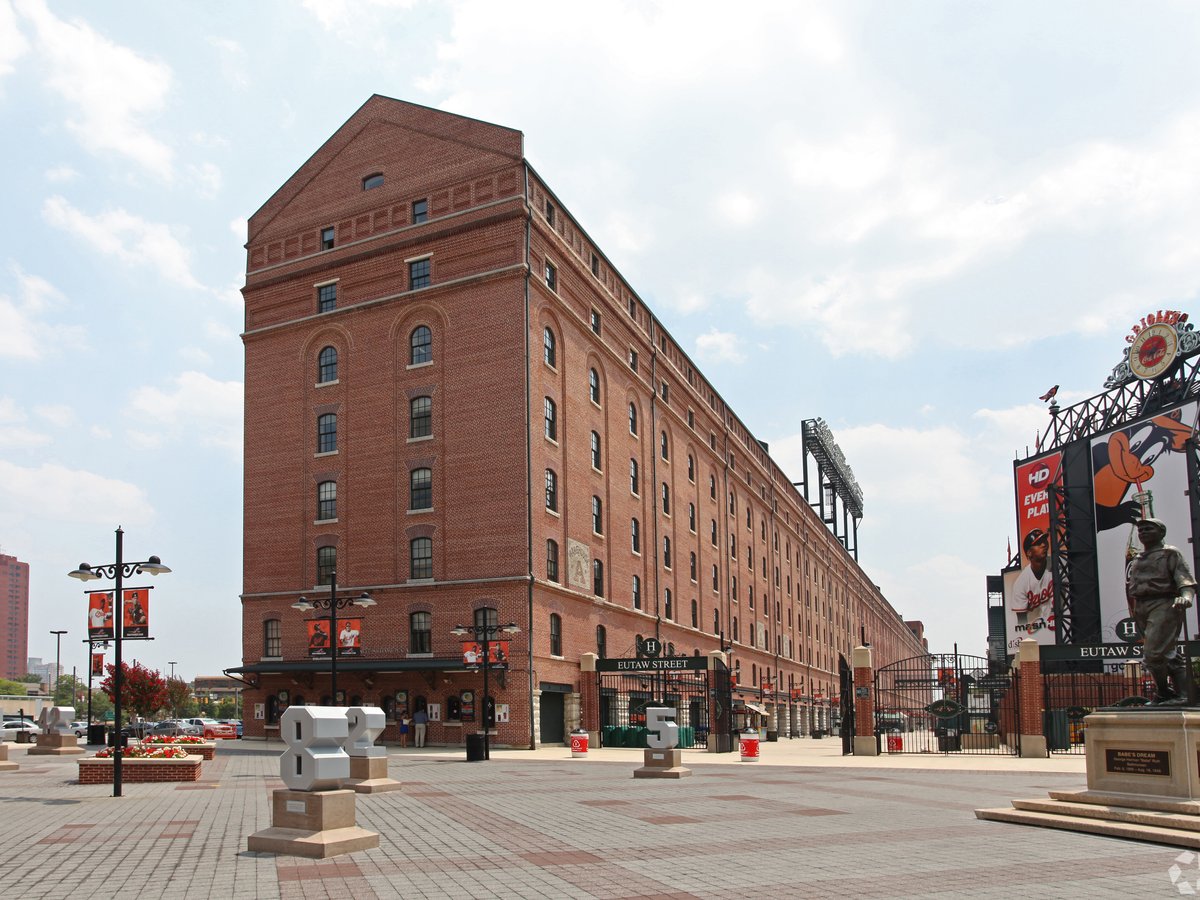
x=1143, y=780
x=314, y=824
x=56, y=744
x=662, y=764
x=5, y=765
x=369, y=775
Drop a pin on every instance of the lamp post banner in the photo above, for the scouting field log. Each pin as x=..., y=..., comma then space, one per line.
x=349, y=637
x=135, y=613
x=97, y=663
x=497, y=652
x=318, y=638
x=100, y=616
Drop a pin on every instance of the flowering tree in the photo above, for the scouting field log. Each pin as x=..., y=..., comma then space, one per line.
x=143, y=691
x=179, y=695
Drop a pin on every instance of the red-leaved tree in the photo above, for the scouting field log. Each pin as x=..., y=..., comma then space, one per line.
x=143, y=691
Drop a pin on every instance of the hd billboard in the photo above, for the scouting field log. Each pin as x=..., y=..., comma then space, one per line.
x=1029, y=597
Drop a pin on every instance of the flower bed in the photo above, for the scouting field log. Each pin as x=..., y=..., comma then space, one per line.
x=141, y=766
x=193, y=744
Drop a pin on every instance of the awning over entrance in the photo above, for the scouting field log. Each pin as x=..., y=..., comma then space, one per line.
x=756, y=708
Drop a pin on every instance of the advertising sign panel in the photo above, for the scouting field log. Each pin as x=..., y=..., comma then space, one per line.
x=1029, y=599
x=497, y=654
x=349, y=638
x=97, y=663
x=100, y=616
x=135, y=613
x=1137, y=471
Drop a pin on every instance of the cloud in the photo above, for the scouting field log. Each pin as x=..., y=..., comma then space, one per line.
x=13, y=433
x=207, y=178
x=195, y=408
x=111, y=89
x=737, y=208
x=719, y=347
x=59, y=494
x=24, y=332
x=56, y=414
x=12, y=43
x=128, y=237
x=61, y=174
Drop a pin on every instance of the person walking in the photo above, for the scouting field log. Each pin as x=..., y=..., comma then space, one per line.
x=420, y=720
x=405, y=724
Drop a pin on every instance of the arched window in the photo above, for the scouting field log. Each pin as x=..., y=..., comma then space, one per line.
x=549, y=347
x=420, y=632
x=372, y=181
x=420, y=489
x=453, y=708
x=420, y=558
x=552, y=561
x=326, y=500
x=420, y=346
x=420, y=419
x=272, y=638
x=551, y=490
x=327, y=365
x=633, y=417
x=596, y=451
x=601, y=642
x=594, y=386
x=327, y=433
x=555, y=634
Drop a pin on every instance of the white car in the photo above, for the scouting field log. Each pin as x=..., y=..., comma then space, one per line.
x=79, y=728
x=10, y=729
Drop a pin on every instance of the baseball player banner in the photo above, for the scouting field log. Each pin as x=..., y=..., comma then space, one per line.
x=1138, y=471
x=1029, y=599
x=497, y=654
x=349, y=637
x=100, y=616
x=135, y=613
x=97, y=663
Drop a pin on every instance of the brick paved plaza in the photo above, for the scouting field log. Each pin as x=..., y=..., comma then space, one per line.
x=801, y=823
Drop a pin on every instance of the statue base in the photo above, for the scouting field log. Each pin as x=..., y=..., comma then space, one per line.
x=313, y=824
x=1143, y=780
x=369, y=775
x=54, y=744
x=662, y=764
x=5, y=765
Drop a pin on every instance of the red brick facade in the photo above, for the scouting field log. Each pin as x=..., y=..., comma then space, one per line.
x=140, y=771
x=491, y=231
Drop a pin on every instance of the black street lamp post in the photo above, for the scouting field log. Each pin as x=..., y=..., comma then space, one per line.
x=484, y=635
x=118, y=572
x=333, y=603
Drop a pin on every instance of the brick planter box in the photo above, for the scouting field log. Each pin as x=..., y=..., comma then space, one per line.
x=205, y=750
x=140, y=771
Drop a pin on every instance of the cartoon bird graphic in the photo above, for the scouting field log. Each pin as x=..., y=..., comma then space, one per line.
x=1049, y=395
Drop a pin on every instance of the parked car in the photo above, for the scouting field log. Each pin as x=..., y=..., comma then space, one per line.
x=174, y=728
x=212, y=729
x=10, y=729
x=79, y=728
x=236, y=723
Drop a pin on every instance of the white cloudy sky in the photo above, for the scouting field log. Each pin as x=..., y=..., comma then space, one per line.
x=910, y=219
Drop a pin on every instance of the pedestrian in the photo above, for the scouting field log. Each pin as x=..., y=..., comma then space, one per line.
x=420, y=720
x=405, y=724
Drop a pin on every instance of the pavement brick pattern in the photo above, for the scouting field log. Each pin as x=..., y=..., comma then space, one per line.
x=541, y=825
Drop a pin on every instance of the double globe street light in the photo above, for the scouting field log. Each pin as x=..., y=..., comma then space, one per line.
x=333, y=603
x=484, y=634
x=118, y=572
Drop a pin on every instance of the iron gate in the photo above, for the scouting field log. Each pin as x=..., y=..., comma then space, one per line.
x=701, y=698
x=1071, y=692
x=946, y=703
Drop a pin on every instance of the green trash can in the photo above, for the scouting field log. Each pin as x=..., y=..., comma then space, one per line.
x=1057, y=728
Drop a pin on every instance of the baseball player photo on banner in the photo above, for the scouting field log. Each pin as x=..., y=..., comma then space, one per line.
x=100, y=616
x=1138, y=472
x=1029, y=598
x=135, y=613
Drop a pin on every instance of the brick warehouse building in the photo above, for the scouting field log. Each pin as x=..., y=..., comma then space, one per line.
x=456, y=403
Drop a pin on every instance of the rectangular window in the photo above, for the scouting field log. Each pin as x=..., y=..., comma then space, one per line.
x=272, y=638
x=555, y=634
x=420, y=211
x=418, y=274
x=326, y=564
x=595, y=265
x=596, y=321
x=326, y=297
x=549, y=212
x=420, y=633
x=421, y=558
x=633, y=359
x=552, y=561
x=598, y=578
x=327, y=433
x=551, y=276
x=327, y=500
x=420, y=419
x=666, y=392
x=327, y=238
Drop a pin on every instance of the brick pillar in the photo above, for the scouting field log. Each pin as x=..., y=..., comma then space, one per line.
x=589, y=698
x=1029, y=696
x=864, y=703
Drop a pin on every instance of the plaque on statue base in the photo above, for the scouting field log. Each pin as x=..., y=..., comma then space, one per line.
x=313, y=824
x=662, y=764
x=5, y=765
x=56, y=744
x=1143, y=780
x=369, y=775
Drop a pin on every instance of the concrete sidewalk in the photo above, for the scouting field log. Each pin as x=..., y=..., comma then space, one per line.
x=802, y=822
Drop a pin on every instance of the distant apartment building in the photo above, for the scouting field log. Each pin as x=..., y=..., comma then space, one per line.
x=14, y=616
